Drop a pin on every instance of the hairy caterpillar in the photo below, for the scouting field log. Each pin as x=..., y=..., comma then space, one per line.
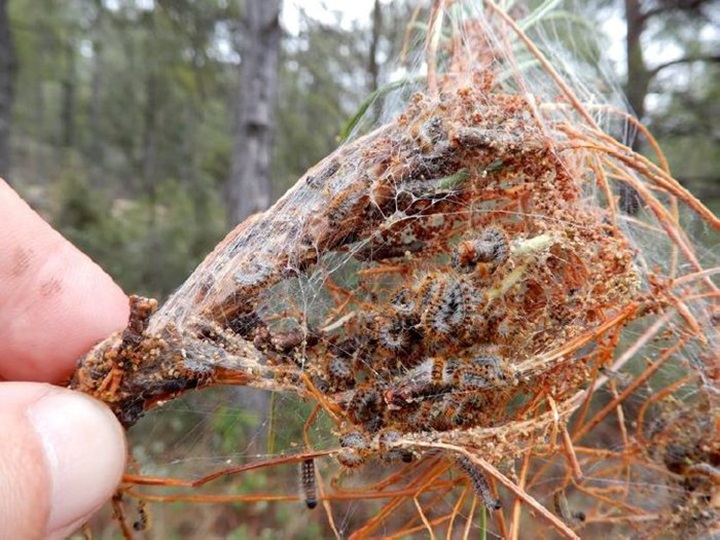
x=307, y=482
x=479, y=482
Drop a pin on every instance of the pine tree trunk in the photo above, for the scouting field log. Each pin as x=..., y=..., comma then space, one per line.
x=373, y=65
x=638, y=76
x=249, y=186
x=96, y=149
x=8, y=67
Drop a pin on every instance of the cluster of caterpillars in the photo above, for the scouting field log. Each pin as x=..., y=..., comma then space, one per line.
x=417, y=362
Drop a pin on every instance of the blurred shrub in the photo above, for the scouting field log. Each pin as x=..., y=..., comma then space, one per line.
x=149, y=244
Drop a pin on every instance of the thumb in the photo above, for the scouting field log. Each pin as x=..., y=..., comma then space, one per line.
x=61, y=457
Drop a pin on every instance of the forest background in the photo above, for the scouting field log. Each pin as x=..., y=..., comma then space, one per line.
x=127, y=123
x=134, y=126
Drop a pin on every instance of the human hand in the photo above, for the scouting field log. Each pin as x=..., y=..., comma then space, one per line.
x=61, y=453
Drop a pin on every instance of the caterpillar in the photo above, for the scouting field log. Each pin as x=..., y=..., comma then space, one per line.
x=307, y=482
x=479, y=482
x=490, y=247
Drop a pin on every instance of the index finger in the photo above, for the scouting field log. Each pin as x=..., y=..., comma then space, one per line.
x=55, y=303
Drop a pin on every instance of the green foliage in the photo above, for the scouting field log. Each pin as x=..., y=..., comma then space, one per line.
x=355, y=119
x=233, y=425
x=149, y=246
x=687, y=131
x=315, y=98
x=310, y=530
x=124, y=119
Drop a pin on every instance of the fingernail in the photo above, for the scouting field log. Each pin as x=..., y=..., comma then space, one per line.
x=85, y=452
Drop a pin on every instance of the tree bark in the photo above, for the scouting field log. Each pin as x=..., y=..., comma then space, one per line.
x=249, y=184
x=249, y=188
x=8, y=67
x=638, y=75
x=373, y=66
x=96, y=150
x=67, y=110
